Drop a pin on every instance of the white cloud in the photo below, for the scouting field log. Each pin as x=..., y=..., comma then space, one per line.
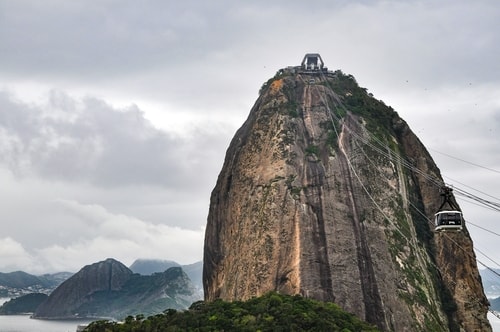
x=61, y=148
x=88, y=140
x=101, y=235
x=13, y=257
x=125, y=238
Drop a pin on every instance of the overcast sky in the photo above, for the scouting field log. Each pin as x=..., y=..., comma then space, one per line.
x=115, y=115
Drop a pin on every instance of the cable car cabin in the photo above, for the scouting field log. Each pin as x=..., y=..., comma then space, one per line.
x=448, y=220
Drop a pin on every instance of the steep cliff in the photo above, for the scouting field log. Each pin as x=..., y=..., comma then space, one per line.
x=326, y=192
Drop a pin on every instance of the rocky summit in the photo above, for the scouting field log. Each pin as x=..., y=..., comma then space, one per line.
x=110, y=289
x=327, y=193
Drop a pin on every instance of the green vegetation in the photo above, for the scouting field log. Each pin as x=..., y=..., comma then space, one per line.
x=378, y=115
x=296, y=190
x=331, y=129
x=23, y=304
x=332, y=139
x=293, y=110
x=312, y=150
x=271, y=312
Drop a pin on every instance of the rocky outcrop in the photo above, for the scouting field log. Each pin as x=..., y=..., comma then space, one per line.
x=326, y=192
x=150, y=266
x=110, y=289
x=64, y=301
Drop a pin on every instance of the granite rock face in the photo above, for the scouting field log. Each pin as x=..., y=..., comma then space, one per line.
x=326, y=192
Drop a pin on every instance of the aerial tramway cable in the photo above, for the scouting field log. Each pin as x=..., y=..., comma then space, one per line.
x=394, y=157
x=479, y=191
x=465, y=161
x=484, y=229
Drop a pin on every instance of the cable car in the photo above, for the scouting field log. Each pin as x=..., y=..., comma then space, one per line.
x=448, y=219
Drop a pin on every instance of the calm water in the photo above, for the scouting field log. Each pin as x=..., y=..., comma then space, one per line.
x=23, y=323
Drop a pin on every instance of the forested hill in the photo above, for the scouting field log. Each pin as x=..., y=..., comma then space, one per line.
x=271, y=312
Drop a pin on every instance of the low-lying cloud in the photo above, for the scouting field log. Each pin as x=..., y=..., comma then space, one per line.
x=99, y=234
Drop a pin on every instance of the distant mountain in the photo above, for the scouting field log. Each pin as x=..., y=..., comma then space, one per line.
x=491, y=285
x=55, y=279
x=23, y=304
x=110, y=289
x=491, y=282
x=20, y=279
x=15, y=284
x=495, y=304
x=195, y=273
x=150, y=266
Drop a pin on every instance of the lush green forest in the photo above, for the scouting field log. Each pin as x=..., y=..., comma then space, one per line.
x=271, y=312
x=23, y=304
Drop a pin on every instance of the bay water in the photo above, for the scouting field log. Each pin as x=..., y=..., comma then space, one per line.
x=23, y=323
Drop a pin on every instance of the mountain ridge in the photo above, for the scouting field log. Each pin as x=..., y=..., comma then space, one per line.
x=18, y=283
x=110, y=289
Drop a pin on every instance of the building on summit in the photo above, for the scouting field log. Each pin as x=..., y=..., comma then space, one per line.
x=312, y=61
x=311, y=64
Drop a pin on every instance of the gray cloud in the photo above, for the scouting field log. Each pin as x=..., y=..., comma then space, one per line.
x=88, y=140
x=89, y=39
x=95, y=235
x=114, y=39
x=67, y=156
x=162, y=50
x=188, y=73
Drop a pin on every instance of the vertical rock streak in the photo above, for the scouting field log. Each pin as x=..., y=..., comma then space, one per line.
x=314, y=180
x=371, y=298
x=302, y=210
